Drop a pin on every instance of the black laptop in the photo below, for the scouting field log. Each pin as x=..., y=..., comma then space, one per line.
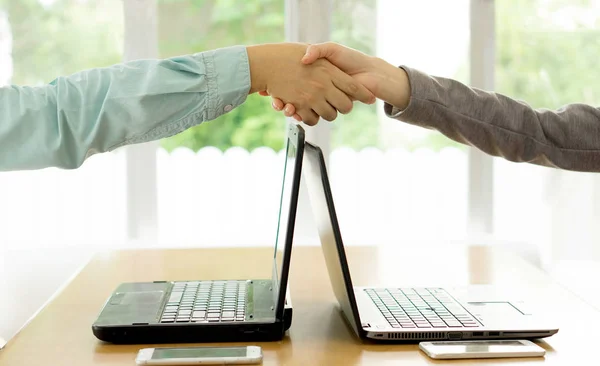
x=214, y=310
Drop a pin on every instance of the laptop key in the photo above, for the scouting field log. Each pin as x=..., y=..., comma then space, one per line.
x=175, y=297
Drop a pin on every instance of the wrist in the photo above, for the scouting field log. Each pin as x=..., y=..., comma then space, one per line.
x=394, y=86
x=257, y=62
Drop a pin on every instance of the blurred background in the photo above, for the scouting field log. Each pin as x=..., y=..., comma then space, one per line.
x=218, y=184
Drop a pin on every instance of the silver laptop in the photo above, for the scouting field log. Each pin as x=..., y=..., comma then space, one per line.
x=404, y=313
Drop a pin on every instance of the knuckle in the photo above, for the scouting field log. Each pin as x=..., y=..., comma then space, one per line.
x=311, y=99
x=346, y=108
x=330, y=117
x=353, y=87
x=317, y=85
x=321, y=67
x=303, y=99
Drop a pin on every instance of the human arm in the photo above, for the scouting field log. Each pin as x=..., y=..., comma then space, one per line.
x=62, y=123
x=566, y=138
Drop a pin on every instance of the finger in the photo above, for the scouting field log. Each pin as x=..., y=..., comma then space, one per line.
x=339, y=101
x=277, y=104
x=317, y=51
x=289, y=110
x=297, y=117
x=325, y=110
x=352, y=88
x=309, y=117
x=264, y=93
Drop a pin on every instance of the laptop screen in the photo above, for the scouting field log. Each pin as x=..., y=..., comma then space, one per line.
x=321, y=201
x=287, y=211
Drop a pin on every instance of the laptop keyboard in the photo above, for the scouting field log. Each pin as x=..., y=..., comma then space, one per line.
x=206, y=302
x=420, y=308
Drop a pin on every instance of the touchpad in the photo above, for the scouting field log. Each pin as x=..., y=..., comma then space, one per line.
x=143, y=297
x=488, y=309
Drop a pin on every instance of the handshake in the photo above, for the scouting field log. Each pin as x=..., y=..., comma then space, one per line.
x=309, y=82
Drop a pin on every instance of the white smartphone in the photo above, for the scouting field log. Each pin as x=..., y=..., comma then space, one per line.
x=200, y=356
x=481, y=349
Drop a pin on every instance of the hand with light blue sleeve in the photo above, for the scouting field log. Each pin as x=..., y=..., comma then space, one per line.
x=73, y=117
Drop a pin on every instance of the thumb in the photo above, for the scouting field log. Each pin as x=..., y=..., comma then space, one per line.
x=317, y=51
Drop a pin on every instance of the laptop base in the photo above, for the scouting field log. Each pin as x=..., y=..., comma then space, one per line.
x=416, y=336
x=189, y=333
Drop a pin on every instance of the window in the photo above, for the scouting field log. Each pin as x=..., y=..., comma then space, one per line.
x=402, y=32
x=547, y=57
x=40, y=40
x=56, y=37
x=219, y=183
x=188, y=26
x=51, y=219
x=391, y=179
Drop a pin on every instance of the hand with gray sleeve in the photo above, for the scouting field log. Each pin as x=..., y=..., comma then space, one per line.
x=566, y=138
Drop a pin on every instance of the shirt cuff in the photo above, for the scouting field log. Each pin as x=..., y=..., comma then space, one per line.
x=228, y=75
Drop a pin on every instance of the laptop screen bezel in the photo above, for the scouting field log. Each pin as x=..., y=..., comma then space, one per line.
x=314, y=152
x=295, y=138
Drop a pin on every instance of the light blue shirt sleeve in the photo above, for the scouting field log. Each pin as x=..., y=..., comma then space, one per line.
x=63, y=123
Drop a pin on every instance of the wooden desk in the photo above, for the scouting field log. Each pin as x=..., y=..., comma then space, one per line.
x=61, y=333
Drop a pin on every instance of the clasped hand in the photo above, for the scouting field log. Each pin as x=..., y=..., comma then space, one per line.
x=308, y=82
x=314, y=89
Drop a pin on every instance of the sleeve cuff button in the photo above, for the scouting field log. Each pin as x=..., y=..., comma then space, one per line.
x=228, y=108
